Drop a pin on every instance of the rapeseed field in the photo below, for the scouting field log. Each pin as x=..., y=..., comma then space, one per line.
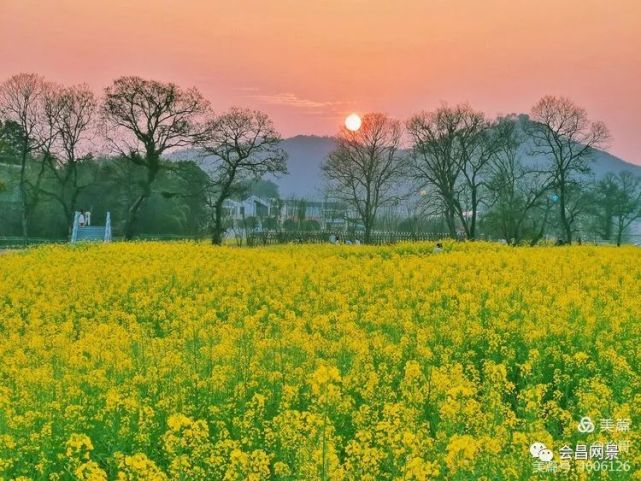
x=181, y=361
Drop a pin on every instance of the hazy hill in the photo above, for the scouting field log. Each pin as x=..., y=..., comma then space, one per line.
x=307, y=153
x=603, y=162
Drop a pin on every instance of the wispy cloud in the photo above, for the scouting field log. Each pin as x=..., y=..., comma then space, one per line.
x=290, y=99
x=247, y=89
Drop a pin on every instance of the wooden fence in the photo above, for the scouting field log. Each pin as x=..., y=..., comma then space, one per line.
x=18, y=242
x=323, y=237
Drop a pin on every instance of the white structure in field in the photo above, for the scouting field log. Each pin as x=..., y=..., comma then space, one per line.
x=90, y=232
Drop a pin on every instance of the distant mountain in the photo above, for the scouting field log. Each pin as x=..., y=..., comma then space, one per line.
x=603, y=163
x=307, y=153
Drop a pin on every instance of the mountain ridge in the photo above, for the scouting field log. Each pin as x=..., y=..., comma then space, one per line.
x=307, y=153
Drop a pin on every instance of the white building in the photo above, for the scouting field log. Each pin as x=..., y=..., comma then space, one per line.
x=252, y=206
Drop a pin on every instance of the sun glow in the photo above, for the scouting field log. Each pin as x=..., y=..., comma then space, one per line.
x=353, y=122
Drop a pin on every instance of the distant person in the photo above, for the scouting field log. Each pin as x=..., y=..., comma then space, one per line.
x=438, y=248
x=81, y=218
x=87, y=218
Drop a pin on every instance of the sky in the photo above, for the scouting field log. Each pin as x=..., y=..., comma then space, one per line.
x=308, y=63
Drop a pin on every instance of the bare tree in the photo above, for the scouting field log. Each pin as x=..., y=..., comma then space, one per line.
x=240, y=145
x=144, y=119
x=367, y=166
x=480, y=142
x=618, y=198
x=628, y=206
x=517, y=192
x=22, y=101
x=601, y=206
x=70, y=113
x=451, y=150
x=563, y=133
x=44, y=157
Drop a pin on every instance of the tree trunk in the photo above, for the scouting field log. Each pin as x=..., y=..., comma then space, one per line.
x=217, y=236
x=620, y=234
x=368, y=233
x=25, y=224
x=153, y=167
x=23, y=195
x=68, y=213
x=472, y=230
x=608, y=223
x=29, y=204
x=541, y=232
x=565, y=224
x=73, y=201
x=131, y=216
x=450, y=221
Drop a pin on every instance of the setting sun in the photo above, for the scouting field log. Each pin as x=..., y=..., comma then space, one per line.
x=353, y=122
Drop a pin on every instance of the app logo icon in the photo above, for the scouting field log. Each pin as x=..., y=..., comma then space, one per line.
x=546, y=455
x=540, y=451
x=586, y=425
x=536, y=448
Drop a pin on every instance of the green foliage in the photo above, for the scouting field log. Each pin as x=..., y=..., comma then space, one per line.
x=310, y=225
x=250, y=223
x=290, y=225
x=10, y=135
x=270, y=223
x=177, y=205
x=265, y=189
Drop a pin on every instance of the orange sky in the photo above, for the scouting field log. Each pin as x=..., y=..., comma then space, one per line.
x=309, y=62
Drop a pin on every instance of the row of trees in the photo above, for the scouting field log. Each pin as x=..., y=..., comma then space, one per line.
x=50, y=131
x=150, y=149
x=523, y=173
